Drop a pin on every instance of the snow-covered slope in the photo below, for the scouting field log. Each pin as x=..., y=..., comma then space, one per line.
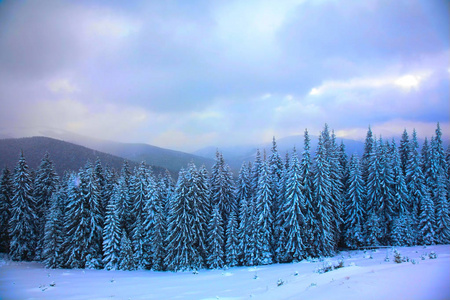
x=365, y=275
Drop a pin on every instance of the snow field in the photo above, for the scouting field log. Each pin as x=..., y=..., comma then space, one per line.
x=365, y=275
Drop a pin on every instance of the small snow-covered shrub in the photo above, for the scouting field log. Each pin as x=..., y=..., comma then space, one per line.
x=432, y=255
x=397, y=257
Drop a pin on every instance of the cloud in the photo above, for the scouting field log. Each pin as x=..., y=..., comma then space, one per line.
x=222, y=72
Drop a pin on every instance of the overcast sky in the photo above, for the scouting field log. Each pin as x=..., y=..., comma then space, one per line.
x=189, y=74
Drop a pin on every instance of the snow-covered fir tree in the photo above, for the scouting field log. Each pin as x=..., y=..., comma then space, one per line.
x=222, y=187
x=426, y=225
x=308, y=193
x=401, y=229
x=142, y=187
x=323, y=243
x=181, y=252
x=245, y=200
x=276, y=173
x=24, y=222
x=45, y=184
x=263, y=218
x=53, y=232
x=126, y=261
x=292, y=212
x=232, y=241
x=415, y=181
x=6, y=192
x=215, y=257
x=354, y=216
x=112, y=232
x=155, y=228
x=404, y=151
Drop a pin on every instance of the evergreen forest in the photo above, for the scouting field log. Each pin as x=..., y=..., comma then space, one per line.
x=280, y=208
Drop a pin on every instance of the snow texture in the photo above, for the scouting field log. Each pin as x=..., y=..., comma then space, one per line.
x=365, y=275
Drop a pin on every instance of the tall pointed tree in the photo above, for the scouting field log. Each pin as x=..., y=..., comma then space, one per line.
x=293, y=213
x=24, y=221
x=112, y=232
x=6, y=193
x=45, y=184
x=354, y=216
x=323, y=242
x=264, y=219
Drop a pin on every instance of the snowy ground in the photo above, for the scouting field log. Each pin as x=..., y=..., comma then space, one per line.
x=365, y=275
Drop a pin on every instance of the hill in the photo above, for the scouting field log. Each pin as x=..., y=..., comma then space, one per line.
x=66, y=156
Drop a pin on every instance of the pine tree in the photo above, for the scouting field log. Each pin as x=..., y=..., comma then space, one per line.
x=379, y=193
x=154, y=227
x=293, y=213
x=53, y=232
x=24, y=221
x=354, y=215
x=401, y=230
x=83, y=242
x=426, y=234
x=6, y=194
x=142, y=186
x=112, y=232
x=337, y=189
x=264, y=219
x=222, y=187
x=232, y=242
x=215, y=240
x=404, y=151
x=415, y=181
x=308, y=193
x=323, y=243
x=276, y=173
x=126, y=262
x=45, y=184
x=244, y=198
x=200, y=207
x=181, y=253
x=369, y=145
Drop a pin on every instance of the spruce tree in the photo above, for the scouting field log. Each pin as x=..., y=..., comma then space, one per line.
x=322, y=234
x=232, y=241
x=222, y=187
x=53, y=232
x=354, y=215
x=244, y=198
x=24, y=221
x=401, y=230
x=264, y=219
x=6, y=193
x=415, y=181
x=142, y=186
x=293, y=213
x=112, y=232
x=215, y=240
x=426, y=225
x=45, y=184
x=404, y=151
x=126, y=261
x=307, y=177
x=181, y=252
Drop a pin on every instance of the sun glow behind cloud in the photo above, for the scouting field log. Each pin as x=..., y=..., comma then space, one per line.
x=406, y=82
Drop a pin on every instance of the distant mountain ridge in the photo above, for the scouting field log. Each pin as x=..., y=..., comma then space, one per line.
x=171, y=160
x=66, y=156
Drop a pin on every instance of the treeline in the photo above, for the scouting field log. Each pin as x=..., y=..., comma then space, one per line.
x=278, y=209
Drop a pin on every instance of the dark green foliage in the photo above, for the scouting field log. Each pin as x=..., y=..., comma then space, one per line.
x=6, y=193
x=24, y=222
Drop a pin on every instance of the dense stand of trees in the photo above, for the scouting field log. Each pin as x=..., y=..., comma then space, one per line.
x=277, y=210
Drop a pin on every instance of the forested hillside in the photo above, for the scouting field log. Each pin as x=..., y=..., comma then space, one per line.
x=280, y=209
